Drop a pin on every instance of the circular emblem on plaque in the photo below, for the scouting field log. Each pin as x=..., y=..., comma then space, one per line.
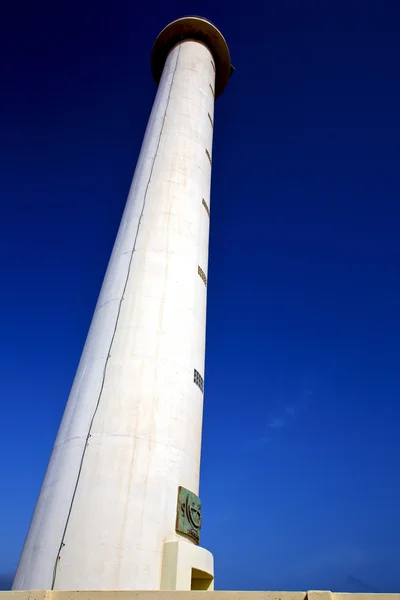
x=193, y=513
x=188, y=514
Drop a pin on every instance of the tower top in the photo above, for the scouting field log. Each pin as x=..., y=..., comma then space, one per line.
x=195, y=28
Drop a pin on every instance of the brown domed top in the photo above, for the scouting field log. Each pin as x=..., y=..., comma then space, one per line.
x=195, y=28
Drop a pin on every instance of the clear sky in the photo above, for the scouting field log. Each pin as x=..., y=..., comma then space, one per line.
x=301, y=456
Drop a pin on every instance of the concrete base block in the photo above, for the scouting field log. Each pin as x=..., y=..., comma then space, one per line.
x=319, y=595
x=186, y=567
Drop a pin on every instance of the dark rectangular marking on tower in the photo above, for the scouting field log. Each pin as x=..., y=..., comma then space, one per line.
x=202, y=275
x=204, y=203
x=198, y=380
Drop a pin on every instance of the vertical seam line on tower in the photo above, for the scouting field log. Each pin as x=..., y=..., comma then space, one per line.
x=113, y=335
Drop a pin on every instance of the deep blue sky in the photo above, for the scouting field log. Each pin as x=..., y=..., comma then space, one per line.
x=301, y=455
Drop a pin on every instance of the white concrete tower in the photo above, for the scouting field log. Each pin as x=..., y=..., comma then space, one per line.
x=130, y=436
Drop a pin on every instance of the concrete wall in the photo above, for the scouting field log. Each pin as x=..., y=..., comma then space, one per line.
x=131, y=431
x=134, y=595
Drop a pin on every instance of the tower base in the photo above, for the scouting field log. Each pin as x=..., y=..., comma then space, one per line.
x=186, y=567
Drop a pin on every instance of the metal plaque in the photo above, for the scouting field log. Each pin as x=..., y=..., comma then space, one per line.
x=188, y=514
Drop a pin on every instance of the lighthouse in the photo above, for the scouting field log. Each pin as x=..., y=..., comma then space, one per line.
x=119, y=507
